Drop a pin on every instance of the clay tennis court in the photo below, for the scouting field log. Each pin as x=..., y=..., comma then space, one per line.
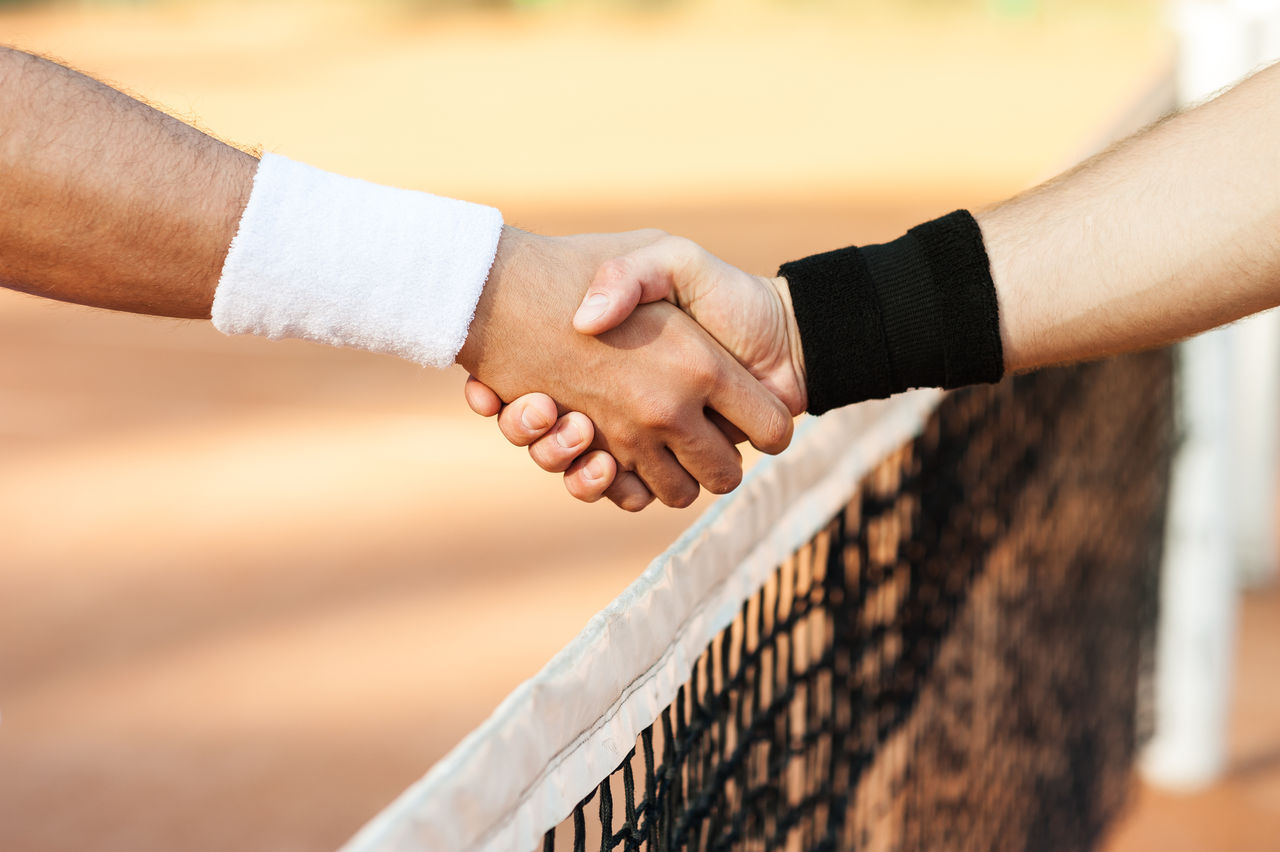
x=250, y=591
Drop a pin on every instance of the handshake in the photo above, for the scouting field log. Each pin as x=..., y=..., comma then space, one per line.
x=635, y=362
x=642, y=387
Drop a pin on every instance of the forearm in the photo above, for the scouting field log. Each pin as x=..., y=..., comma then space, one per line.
x=1172, y=232
x=109, y=202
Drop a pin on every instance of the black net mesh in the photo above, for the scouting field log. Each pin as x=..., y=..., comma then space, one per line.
x=956, y=661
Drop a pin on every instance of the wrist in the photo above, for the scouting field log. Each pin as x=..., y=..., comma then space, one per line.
x=920, y=311
x=794, y=349
x=344, y=262
x=1000, y=238
x=513, y=245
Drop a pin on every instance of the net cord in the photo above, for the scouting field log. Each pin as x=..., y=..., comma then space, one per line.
x=560, y=733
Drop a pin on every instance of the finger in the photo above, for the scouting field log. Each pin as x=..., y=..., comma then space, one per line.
x=568, y=439
x=527, y=418
x=628, y=492
x=645, y=275
x=616, y=289
x=592, y=475
x=481, y=398
x=708, y=456
x=668, y=481
x=733, y=433
x=745, y=403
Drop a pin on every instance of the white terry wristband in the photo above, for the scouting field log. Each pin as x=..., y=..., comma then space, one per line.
x=345, y=262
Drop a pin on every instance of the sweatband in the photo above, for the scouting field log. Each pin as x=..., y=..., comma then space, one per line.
x=341, y=261
x=920, y=311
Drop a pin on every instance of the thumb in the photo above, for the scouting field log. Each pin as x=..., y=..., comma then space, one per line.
x=645, y=275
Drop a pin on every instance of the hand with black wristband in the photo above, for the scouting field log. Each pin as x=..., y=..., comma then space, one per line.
x=868, y=322
x=749, y=315
x=1167, y=234
x=661, y=393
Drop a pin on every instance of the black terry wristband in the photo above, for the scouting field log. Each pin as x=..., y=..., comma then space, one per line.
x=917, y=312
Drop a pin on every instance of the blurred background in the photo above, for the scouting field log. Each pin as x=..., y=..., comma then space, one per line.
x=250, y=591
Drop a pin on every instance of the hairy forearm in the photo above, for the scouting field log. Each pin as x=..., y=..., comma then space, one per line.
x=109, y=202
x=1170, y=233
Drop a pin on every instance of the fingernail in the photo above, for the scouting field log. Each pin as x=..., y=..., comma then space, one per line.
x=593, y=307
x=569, y=435
x=532, y=420
x=594, y=471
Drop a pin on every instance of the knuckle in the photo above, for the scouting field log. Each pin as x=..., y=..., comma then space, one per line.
x=634, y=503
x=579, y=430
x=724, y=480
x=614, y=273
x=623, y=443
x=548, y=456
x=682, y=497
x=630, y=501
x=511, y=429
x=776, y=432
x=527, y=419
x=677, y=244
x=657, y=412
x=683, y=249
x=578, y=489
x=702, y=372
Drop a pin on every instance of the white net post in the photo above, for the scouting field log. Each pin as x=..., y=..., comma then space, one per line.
x=1194, y=640
x=1256, y=373
x=1222, y=503
x=1255, y=379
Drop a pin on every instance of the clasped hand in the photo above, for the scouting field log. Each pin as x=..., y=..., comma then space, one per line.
x=671, y=357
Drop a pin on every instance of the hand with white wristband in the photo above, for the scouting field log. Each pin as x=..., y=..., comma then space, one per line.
x=750, y=316
x=113, y=204
x=650, y=385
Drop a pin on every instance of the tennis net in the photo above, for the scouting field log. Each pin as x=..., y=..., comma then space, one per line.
x=928, y=624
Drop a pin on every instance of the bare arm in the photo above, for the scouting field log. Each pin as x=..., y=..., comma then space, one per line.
x=109, y=202
x=1170, y=233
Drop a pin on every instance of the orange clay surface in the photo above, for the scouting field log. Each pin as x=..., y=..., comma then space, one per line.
x=250, y=591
